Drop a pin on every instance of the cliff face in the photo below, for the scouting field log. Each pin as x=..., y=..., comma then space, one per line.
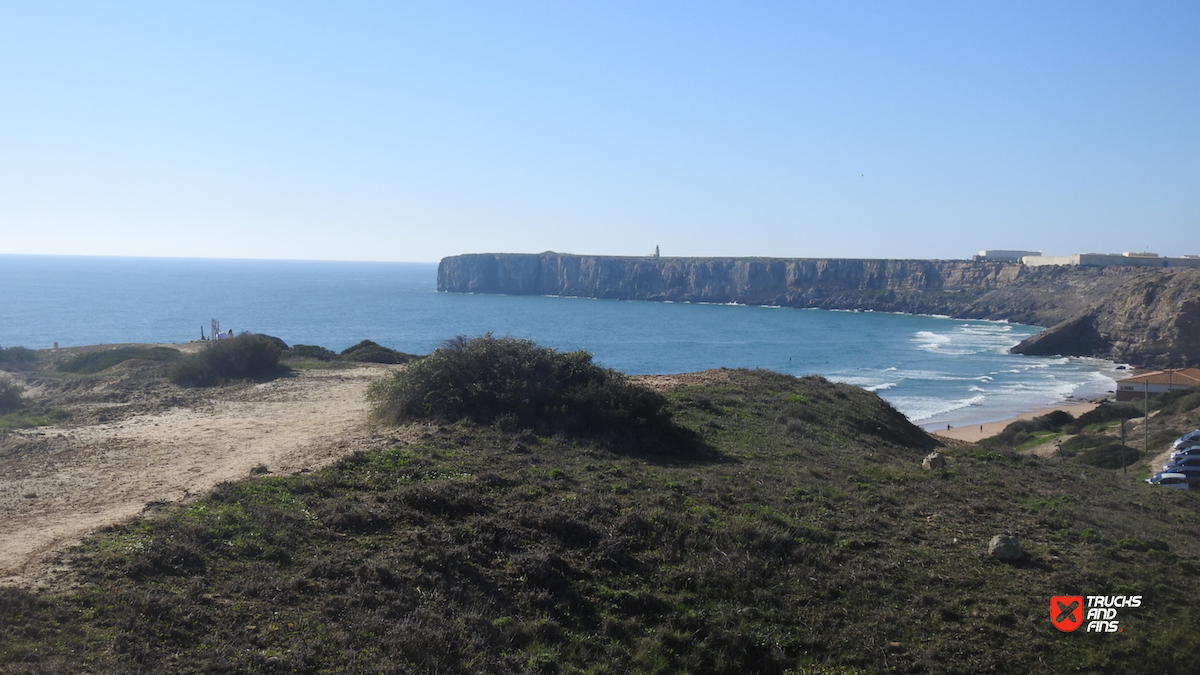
x=1144, y=316
x=754, y=281
x=1152, y=320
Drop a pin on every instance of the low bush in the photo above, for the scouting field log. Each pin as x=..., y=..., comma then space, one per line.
x=94, y=362
x=488, y=380
x=1101, y=451
x=1178, y=401
x=370, y=352
x=11, y=398
x=247, y=356
x=309, y=352
x=1111, y=455
x=17, y=358
x=18, y=412
x=278, y=342
x=1023, y=430
x=1108, y=412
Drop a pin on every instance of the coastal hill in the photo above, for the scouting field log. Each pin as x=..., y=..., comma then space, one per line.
x=1144, y=316
x=756, y=523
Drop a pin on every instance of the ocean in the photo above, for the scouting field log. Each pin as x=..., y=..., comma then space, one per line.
x=936, y=370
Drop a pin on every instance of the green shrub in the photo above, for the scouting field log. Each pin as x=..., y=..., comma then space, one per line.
x=309, y=352
x=11, y=398
x=1108, y=412
x=1109, y=456
x=1178, y=401
x=278, y=342
x=247, y=356
x=370, y=352
x=517, y=384
x=1022, y=430
x=17, y=358
x=94, y=362
x=1100, y=451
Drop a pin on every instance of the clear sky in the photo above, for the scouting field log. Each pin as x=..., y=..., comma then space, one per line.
x=412, y=131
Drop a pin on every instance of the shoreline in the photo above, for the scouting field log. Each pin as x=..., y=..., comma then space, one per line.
x=974, y=433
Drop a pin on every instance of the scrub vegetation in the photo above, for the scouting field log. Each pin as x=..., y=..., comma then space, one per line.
x=18, y=411
x=11, y=396
x=248, y=356
x=805, y=538
x=369, y=352
x=93, y=362
x=519, y=385
x=363, y=352
x=1095, y=437
x=17, y=358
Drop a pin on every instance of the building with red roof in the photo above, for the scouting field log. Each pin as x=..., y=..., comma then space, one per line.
x=1138, y=386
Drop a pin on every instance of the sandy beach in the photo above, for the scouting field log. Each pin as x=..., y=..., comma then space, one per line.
x=978, y=432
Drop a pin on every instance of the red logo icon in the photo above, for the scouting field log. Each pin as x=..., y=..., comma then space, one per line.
x=1066, y=612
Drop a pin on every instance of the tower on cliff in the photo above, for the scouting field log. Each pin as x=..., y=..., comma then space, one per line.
x=656, y=251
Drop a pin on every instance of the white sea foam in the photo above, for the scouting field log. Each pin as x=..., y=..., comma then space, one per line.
x=920, y=408
x=930, y=341
x=932, y=376
x=967, y=339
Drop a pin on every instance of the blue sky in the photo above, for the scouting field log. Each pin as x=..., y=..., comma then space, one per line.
x=413, y=131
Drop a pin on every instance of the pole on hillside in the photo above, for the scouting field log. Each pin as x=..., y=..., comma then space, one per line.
x=1146, y=422
x=1124, y=469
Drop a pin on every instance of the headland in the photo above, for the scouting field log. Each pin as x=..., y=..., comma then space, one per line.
x=1145, y=316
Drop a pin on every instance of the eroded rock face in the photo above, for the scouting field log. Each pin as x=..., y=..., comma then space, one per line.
x=1144, y=316
x=1153, y=320
x=790, y=282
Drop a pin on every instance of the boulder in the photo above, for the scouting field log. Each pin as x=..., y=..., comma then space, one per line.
x=933, y=460
x=1005, y=548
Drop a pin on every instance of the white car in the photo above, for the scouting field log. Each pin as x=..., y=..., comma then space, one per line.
x=1190, y=437
x=1176, y=481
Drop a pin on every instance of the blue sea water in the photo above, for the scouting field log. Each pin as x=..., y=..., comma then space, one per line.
x=938, y=371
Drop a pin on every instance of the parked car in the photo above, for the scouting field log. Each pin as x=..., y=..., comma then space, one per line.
x=1192, y=460
x=1192, y=473
x=1190, y=437
x=1190, y=445
x=1186, y=451
x=1177, y=481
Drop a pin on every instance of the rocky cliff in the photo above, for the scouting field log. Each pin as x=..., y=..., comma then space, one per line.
x=1152, y=320
x=1092, y=311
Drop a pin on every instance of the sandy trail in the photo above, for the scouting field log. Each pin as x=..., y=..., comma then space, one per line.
x=58, y=484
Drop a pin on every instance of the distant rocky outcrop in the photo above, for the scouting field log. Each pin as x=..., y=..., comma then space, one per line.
x=1152, y=320
x=1143, y=316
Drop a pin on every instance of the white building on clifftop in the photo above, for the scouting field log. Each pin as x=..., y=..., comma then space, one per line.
x=1101, y=259
x=1004, y=255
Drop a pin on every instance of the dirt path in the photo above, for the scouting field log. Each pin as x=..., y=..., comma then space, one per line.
x=58, y=484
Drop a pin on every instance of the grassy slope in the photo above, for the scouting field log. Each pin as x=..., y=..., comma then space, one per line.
x=805, y=533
